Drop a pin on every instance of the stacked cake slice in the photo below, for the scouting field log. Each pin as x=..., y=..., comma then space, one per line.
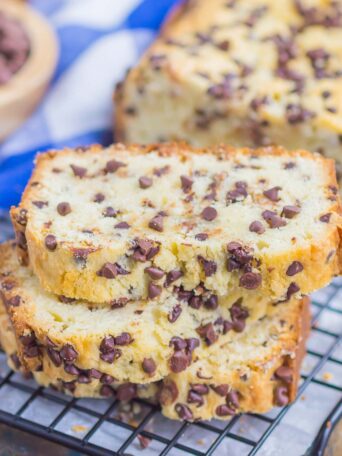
x=171, y=273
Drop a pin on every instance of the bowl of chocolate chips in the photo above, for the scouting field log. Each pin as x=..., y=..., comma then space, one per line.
x=28, y=56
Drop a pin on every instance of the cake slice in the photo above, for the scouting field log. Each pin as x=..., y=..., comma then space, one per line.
x=245, y=73
x=251, y=373
x=131, y=222
x=142, y=342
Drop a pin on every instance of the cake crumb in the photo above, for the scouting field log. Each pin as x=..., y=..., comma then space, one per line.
x=79, y=428
x=327, y=376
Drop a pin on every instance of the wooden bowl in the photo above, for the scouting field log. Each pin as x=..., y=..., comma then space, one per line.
x=22, y=93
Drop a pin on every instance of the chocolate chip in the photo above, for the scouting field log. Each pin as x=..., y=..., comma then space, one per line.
x=122, y=226
x=40, y=204
x=194, y=398
x=63, y=208
x=21, y=240
x=108, y=271
x=15, y=360
x=69, y=386
x=21, y=218
x=272, y=193
x=14, y=301
x=184, y=412
x=94, y=373
x=224, y=410
x=28, y=339
x=31, y=351
x=289, y=165
x=107, y=344
x=250, y=280
x=98, y=198
x=240, y=257
x=273, y=220
x=112, y=166
x=124, y=339
x=294, y=268
x=51, y=242
x=221, y=91
x=119, y=303
x=209, y=266
x=239, y=315
x=257, y=227
x=292, y=289
x=68, y=353
x=281, y=396
x=201, y=236
x=257, y=102
x=144, y=250
x=145, y=182
x=71, y=369
x=154, y=272
x=295, y=114
x=126, y=392
x=174, y=313
x=200, y=388
x=284, y=373
x=209, y=213
x=223, y=45
x=149, y=366
x=143, y=441
x=325, y=218
x=83, y=378
x=154, y=290
x=78, y=171
x=239, y=193
x=157, y=223
x=178, y=343
x=195, y=302
x=110, y=357
x=192, y=343
x=161, y=171
x=290, y=211
x=207, y=332
x=211, y=303
x=168, y=393
x=54, y=356
x=186, y=183
x=110, y=212
x=172, y=276
x=179, y=361
x=227, y=326
x=106, y=379
x=107, y=391
x=232, y=398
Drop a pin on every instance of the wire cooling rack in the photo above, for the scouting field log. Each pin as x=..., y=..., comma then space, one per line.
x=101, y=427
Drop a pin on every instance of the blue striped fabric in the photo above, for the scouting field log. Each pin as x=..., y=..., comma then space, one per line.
x=99, y=40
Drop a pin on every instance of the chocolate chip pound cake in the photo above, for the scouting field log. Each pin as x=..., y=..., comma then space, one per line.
x=213, y=225
x=251, y=373
x=245, y=73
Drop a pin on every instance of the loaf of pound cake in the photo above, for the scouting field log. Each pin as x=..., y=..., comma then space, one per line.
x=241, y=72
x=124, y=223
x=253, y=372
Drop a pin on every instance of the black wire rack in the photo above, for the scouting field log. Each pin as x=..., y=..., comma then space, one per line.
x=96, y=427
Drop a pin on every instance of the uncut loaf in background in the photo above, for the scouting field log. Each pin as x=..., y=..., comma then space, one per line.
x=124, y=223
x=248, y=371
x=245, y=73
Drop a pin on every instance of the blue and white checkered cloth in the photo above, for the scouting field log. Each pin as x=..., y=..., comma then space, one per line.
x=99, y=40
